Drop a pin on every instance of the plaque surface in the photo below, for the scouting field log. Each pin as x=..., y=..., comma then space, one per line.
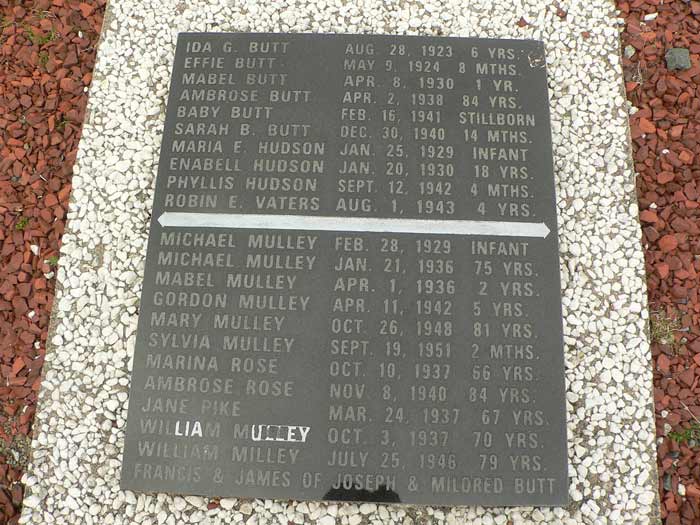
x=352, y=283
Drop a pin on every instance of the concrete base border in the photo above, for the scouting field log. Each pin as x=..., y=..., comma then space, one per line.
x=79, y=430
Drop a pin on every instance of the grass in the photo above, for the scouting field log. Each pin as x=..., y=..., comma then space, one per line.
x=39, y=40
x=692, y=433
x=52, y=261
x=16, y=452
x=43, y=58
x=662, y=330
x=22, y=223
x=61, y=124
x=687, y=434
x=41, y=13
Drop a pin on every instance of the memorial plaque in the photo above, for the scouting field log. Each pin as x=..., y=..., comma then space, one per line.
x=352, y=283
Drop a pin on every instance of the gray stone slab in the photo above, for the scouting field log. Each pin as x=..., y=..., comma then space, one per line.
x=352, y=280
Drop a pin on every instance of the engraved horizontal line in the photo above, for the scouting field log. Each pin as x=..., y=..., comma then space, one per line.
x=241, y=221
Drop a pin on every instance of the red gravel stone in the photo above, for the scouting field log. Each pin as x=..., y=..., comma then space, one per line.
x=686, y=377
x=646, y=126
x=668, y=243
x=42, y=104
x=86, y=9
x=648, y=216
x=51, y=200
x=693, y=491
x=669, y=173
x=664, y=177
x=663, y=363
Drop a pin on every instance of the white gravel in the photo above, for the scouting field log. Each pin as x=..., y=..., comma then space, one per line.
x=73, y=476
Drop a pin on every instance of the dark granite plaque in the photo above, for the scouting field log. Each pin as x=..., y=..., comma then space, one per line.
x=352, y=282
